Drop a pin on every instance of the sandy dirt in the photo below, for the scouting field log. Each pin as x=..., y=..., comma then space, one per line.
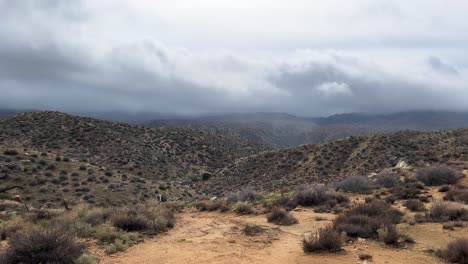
x=201, y=237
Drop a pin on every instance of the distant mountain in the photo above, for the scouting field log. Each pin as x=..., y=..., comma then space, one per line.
x=415, y=120
x=283, y=130
x=4, y=113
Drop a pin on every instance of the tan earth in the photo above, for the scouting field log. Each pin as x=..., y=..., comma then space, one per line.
x=202, y=237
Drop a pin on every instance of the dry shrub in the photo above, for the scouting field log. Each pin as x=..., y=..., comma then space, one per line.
x=246, y=195
x=365, y=219
x=243, y=208
x=387, y=179
x=438, y=175
x=447, y=211
x=319, y=196
x=130, y=222
x=455, y=252
x=356, y=184
x=211, y=205
x=414, y=205
x=326, y=239
x=280, y=216
x=42, y=246
x=457, y=195
x=389, y=235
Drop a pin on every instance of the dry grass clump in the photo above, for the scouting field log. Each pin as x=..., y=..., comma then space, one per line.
x=42, y=246
x=414, y=205
x=438, y=175
x=243, y=208
x=455, y=252
x=280, y=216
x=325, y=239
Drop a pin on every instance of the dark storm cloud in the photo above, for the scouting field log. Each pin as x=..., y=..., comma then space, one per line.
x=51, y=57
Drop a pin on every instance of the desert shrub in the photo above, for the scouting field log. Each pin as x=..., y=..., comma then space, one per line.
x=280, y=216
x=447, y=211
x=405, y=191
x=455, y=252
x=160, y=218
x=246, y=195
x=414, y=205
x=356, y=184
x=273, y=200
x=457, y=195
x=243, y=208
x=86, y=259
x=438, y=175
x=253, y=230
x=387, y=179
x=42, y=246
x=388, y=234
x=365, y=219
x=130, y=222
x=95, y=216
x=326, y=239
x=318, y=196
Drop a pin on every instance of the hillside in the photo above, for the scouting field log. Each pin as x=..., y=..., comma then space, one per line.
x=175, y=156
x=334, y=160
x=276, y=130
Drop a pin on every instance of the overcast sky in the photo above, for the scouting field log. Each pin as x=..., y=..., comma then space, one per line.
x=303, y=57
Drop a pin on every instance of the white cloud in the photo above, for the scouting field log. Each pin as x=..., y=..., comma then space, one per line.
x=329, y=89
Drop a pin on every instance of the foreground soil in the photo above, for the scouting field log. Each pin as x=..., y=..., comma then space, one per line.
x=202, y=237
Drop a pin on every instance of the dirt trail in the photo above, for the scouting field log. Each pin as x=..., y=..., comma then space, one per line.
x=201, y=237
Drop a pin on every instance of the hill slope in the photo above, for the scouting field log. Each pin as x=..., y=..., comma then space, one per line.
x=172, y=155
x=337, y=159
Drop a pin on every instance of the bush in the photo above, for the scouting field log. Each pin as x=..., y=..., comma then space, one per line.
x=130, y=222
x=447, y=211
x=42, y=246
x=457, y=195
x=365, y=219
x=455, y=252
x=438, y=175
x=414, y=205
x=318, y=196
x=326, y=239
x=86, y=259
x=409, y=190
x=356, y=184
x=243, y=208
x=246, y=195
x=280, y=216
x=273, y=200
x=387, y=179
x=389, y=235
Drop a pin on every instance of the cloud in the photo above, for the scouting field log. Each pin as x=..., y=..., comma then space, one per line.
x=330, y=89
x=80, y=57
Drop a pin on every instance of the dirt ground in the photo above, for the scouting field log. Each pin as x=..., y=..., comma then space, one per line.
x=202, y=237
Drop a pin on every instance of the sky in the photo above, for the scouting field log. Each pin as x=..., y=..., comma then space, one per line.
x=309, y=58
